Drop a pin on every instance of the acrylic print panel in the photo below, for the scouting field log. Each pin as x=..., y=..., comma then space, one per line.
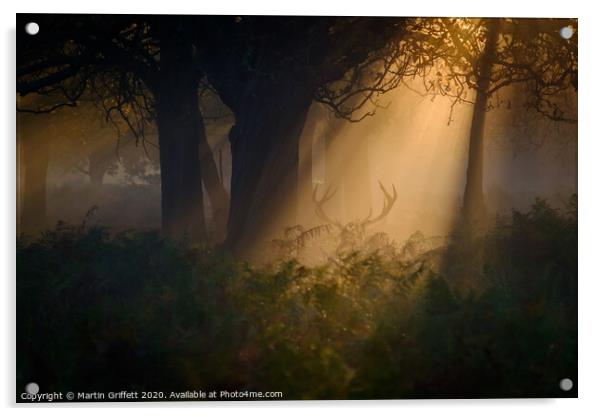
x=285, y=208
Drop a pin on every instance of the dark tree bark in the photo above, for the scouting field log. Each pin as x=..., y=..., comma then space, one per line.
x=180, y=126
x=473, y=208
x=175, y=88
x=265, y=156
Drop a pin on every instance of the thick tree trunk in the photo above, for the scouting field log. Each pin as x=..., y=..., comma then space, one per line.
x=218, y=196
x=265, y=157
x=473, y=208
x=179, y=125
x=33, y=163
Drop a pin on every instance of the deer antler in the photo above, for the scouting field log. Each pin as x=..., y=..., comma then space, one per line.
x=388, y=203
x=319, y=202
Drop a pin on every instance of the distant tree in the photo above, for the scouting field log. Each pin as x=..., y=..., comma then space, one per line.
x=70, y=140
x=32, y=170
x=472, y=60
x=141, y=68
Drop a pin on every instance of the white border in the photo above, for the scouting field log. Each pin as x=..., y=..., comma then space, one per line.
x=590, y=202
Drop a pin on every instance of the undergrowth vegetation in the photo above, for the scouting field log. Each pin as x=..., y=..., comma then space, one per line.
x=134, y=311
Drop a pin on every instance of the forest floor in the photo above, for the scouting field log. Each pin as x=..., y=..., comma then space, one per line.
x=132, y=311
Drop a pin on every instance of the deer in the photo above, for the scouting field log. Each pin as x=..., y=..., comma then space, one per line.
x=352, y=235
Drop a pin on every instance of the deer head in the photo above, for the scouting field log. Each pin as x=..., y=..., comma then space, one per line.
x=352, y=233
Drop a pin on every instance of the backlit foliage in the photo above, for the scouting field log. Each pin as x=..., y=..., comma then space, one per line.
x=134, y=311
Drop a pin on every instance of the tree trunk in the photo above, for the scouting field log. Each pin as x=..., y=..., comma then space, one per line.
x=336, y=166
x=33, y=163
x=98, y=164
x=473, y=208
x=265, y=157
x=179, y=125
x=306, y=165
x=217, y=193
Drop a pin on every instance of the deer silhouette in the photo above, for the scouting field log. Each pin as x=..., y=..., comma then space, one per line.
x=352, y=235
